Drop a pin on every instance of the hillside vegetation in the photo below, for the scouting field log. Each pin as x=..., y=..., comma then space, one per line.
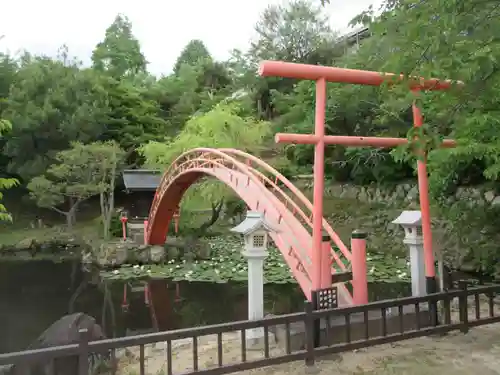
x=68, y=129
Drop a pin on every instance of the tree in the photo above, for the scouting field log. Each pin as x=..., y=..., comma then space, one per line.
x=108, y=159
x=412, y=41
x=68, y=182
x=80, y=173
x=194, y=52
x=448, y=40
x=8, y=68
x=119, y=54
x=131, y=117
x=5, y=183
x=196, y=88
x=297, y=32
x=51, y=104
x=222, y=127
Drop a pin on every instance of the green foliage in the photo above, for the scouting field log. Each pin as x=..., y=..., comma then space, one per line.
x=107, y=161
x=5, y=183
x=226, y=263
x=52, y=103
x=222, y=127
x=194, y=53
x=280, y=24
x=58, y=102
x=119, y=54
x=78, y=174
x=131, y=117
x=115, y=226
x=71, y=178
x=364, y=166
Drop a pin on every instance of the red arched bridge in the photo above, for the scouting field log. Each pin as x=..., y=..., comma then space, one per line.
x=300, y=227
x=263, y=189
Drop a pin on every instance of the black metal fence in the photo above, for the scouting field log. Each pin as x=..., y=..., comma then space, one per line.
x=342, y=329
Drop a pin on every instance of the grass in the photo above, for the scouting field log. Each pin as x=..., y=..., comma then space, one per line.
x=25, y=225
x=345, y=215
x=15, y=234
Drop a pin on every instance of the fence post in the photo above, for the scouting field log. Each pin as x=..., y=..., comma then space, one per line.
x=359, y=273
x=309, y=337
x=83, y=352
x=326, y=268
x=462, y=307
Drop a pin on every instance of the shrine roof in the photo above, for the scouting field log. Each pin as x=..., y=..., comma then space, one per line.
x=141, y=179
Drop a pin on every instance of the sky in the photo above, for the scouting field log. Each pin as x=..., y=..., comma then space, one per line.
x=163, y=27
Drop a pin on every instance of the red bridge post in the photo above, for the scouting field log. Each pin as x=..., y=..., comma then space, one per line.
x=359, y=272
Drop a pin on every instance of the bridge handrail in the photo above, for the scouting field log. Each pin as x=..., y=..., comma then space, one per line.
x=201, y=152
x=303, y=199
x=166, y=175
x=334, y=254
x=227, y=155
x=215, y=162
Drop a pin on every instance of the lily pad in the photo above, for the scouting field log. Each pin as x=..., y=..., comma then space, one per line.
x=228, y=264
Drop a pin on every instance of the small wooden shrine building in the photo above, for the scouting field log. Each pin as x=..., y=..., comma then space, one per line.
x=140, y=186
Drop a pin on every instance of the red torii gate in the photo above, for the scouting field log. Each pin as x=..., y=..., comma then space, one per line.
x=323, y=74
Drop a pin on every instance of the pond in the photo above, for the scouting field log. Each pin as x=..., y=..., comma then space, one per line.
x=34, y=294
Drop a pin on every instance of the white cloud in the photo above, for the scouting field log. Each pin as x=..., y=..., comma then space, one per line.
x=163, y=27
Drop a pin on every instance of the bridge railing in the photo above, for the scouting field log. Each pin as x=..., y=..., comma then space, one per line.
x=211, y=158
x=300, y=202
x=261, y=173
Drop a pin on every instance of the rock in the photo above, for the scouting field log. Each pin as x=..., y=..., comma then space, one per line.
x=362, y=196
x=27, y=243
x=64, y=331
x=157, y=253
x=172, y=252
x=141, y=254
x=400, y=191
x=489, y=196
x=460, y=193
x=114, y=253
x=412, y=194
x=474, y=193
x=335, y=190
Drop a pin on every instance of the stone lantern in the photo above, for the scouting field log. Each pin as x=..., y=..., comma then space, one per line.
x=255, y=230
x=411, y=221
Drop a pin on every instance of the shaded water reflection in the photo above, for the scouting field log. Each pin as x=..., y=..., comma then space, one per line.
x=35, y=294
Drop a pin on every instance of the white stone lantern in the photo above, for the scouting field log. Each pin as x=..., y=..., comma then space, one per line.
x=411, y=221
x=255, y=230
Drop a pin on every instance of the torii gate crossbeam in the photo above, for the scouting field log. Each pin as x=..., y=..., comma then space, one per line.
x=322, y=75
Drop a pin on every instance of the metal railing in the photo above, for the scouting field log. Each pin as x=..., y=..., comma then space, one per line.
x=344, y=329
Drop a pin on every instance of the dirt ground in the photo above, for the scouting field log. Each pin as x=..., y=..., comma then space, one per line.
x=477, y=352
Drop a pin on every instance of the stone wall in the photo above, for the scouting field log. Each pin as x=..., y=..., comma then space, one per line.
x=406, y=194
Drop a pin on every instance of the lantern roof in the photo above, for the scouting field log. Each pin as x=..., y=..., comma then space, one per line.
x=409, y=218
x=253, y=222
